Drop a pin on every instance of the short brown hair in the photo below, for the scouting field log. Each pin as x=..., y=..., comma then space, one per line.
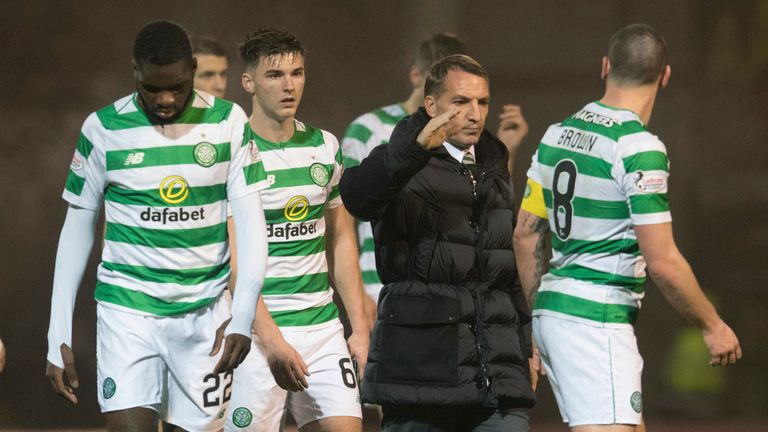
x=436, y=77
x=266, y=43
x=436, y=47
x=638, y=55
x=206, y=45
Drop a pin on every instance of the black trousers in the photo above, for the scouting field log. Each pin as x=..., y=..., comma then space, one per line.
x=453, y=418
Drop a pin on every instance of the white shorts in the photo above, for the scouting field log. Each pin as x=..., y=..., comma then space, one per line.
x=594, y=371
x=257, y=401
x=162, y=363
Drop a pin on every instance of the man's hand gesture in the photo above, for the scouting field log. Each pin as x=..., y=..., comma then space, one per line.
x=438, y=130
x=512, y=127
x=56, y=375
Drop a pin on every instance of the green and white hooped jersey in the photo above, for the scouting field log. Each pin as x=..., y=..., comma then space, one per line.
x=303, y=177
x=363, y=135
x=602, y=173
x=165, y=190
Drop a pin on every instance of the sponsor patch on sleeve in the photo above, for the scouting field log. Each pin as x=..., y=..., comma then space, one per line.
x=649, y=183
x=77, y=163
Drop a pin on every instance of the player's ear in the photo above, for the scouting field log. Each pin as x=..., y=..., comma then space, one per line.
x=430, y=105
x=665, y=76
x=605, y=68
x=247, y=82
x=194, y=65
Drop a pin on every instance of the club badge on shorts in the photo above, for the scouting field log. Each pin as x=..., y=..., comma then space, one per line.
x=637, y=401
x=205, y=154
x=108, y=388
x=319, y=174
x=242, y=417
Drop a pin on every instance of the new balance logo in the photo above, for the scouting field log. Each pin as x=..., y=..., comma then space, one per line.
x=134, y=158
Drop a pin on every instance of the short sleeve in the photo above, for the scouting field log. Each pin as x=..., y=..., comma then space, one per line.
x=643, y=175
x=246, y=169
x=334, y=197
x=87, y=176
x=533, y=171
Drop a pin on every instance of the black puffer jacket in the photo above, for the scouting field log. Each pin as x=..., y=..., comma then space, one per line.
x=449, y=329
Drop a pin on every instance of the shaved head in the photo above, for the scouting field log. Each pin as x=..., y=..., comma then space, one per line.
x=638, y=55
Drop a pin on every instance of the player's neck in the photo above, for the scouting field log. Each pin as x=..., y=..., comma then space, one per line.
x=639, y=100
x=414, y=101
x=274, y=130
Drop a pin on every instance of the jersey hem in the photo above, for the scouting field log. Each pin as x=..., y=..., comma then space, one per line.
x=576, y=319
x=333, y=321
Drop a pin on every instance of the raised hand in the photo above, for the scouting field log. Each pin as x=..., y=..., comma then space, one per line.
x=438, y=130
x=512, y=127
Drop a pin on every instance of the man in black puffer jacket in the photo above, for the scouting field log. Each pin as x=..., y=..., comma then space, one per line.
x=448, y=350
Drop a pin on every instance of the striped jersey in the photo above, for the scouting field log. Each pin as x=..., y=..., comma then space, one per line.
x=362, y=136
x=303, y=177
x=165, y=190
x=602, y=173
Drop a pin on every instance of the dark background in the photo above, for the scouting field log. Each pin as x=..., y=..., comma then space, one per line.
x=63, y=60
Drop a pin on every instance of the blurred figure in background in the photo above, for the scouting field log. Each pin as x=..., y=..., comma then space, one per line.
x=212, y=65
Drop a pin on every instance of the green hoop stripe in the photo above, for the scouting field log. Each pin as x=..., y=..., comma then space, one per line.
x=186, y=277
x=592, y=208
x=198, y=196
x=573, y=246
x=295, y=284
x=75, y=183
x=359, y=132
x=277, y=216
x=167, y=238
x=84, y=146
x=143, y=302
x=371, y=277
x=290, y=177
x=614, y=132
x=161, y=156
x=587, y=309
x=646, y=161
x=112, y=120
x=650, y=203
x=316, y=315
x=297, y=248
x=587, y=165
x=581, y=273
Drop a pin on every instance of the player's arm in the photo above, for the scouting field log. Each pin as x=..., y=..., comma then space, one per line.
x=674, y=277
x=530, y=240
x=344, y=270
x=251, y=237
x=75, y=243
x=286, y=364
